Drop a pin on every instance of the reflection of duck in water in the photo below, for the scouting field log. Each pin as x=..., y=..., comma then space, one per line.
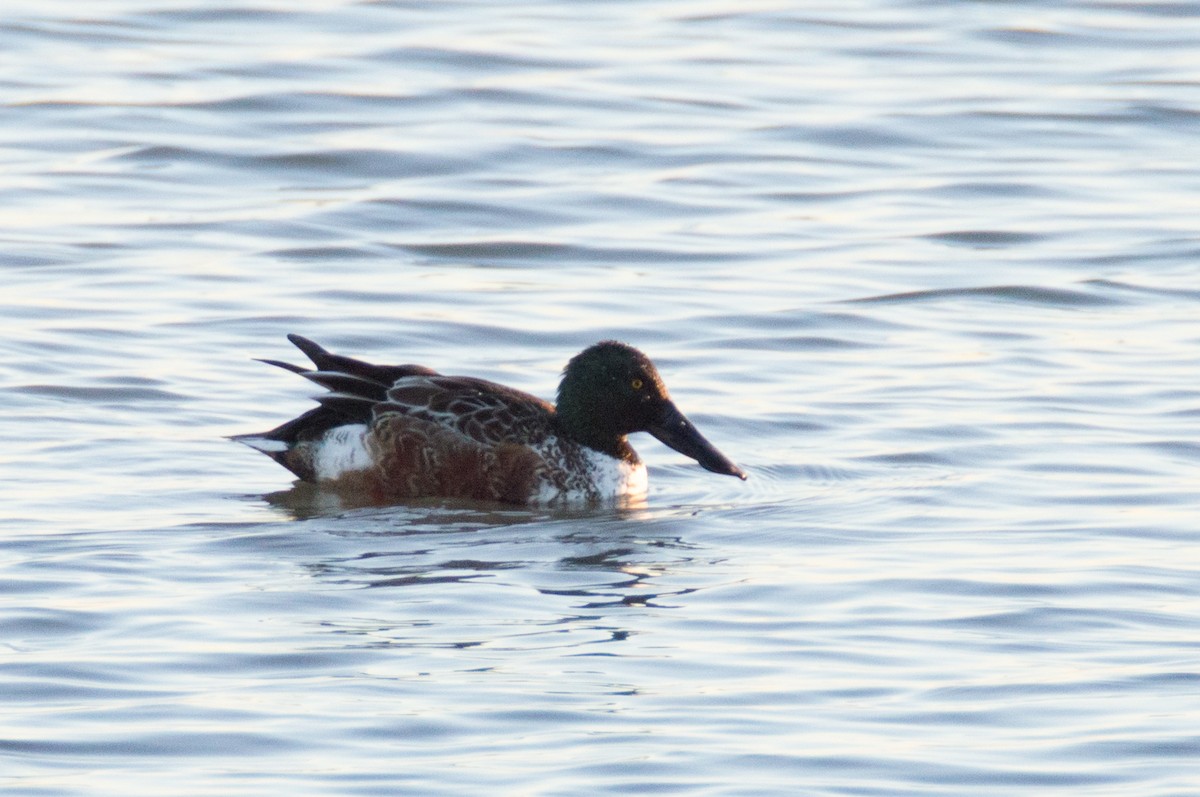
x=392, y=432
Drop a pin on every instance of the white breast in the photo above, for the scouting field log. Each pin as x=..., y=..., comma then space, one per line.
x=616, y=478
x=603, y=478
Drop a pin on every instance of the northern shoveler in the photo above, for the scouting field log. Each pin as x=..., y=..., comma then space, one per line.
x=392, y=432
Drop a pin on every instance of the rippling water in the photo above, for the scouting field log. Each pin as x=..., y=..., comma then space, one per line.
x=928, y=270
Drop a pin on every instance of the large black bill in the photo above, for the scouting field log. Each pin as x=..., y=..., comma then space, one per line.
x=676, y=431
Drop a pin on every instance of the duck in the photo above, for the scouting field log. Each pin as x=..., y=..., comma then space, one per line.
x=390, y=433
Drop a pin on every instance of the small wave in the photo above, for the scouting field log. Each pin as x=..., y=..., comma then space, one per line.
x=1147, y=290
x=214, y=16
x=792, y=343
x=562, y=253
x=855, y=137
x=990, y=188
x=984, y=239
x=477, y=60
x=1023, y=294
x=93, y=394
x=910, y=459
x=323, y=253
x=376, y=164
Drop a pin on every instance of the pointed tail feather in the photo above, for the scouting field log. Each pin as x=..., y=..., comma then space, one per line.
x=328, y=361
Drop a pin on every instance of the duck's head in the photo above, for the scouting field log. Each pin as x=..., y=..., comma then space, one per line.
x=611, y=390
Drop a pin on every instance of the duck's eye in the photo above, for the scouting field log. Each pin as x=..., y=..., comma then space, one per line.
x=636, y=384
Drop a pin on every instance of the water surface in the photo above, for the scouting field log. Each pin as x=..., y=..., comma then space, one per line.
x=927, y=270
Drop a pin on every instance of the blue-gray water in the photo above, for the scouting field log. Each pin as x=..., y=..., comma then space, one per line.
x=929, y=270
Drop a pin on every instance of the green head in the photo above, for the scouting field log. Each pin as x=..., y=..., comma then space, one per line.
x=611, y=390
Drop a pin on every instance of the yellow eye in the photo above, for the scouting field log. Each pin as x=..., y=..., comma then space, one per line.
x=636, y=384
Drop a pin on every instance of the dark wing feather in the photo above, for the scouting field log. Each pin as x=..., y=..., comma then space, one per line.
x=295, y=369
x=349, y=384
x=482, y=411
x=355, y=388
x=337, y=363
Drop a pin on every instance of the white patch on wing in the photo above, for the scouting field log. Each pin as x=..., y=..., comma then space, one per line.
x=341, y=450
x=263, y=444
